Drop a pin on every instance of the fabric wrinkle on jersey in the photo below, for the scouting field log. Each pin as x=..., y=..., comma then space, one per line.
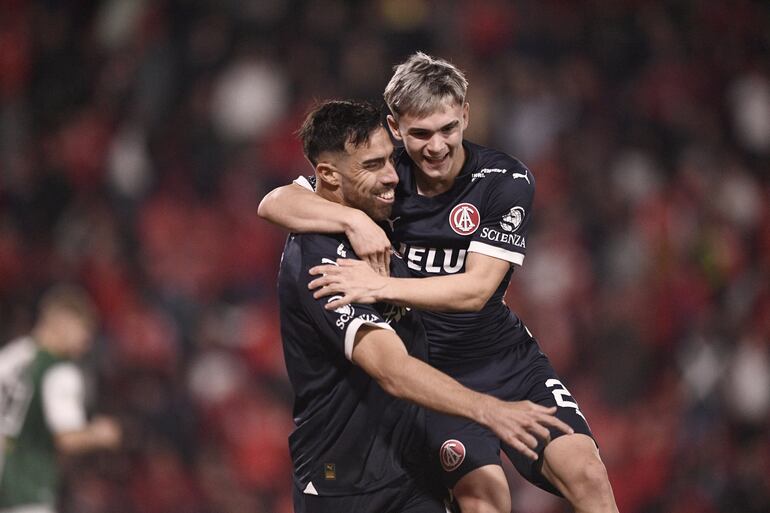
x=351, y=437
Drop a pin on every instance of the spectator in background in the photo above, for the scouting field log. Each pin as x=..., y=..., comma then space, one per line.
x=42, y=402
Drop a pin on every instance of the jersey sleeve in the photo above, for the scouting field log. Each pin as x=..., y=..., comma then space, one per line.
x=505, y=217
x=308, y=182
x=63, y=398
x=341, y=325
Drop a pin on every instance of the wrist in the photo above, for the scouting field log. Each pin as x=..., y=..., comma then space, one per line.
x=353, y=220
x=484, y=408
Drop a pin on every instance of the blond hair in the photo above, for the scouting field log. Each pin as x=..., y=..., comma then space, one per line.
x=422, y=83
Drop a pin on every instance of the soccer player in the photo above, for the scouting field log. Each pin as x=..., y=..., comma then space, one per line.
x=460, y=219
x=41, y=402
x=357, y=445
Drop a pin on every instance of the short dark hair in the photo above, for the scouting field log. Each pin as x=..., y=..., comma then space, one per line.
x=333, y=123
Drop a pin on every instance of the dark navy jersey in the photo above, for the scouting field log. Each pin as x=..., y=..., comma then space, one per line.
x=487, y=211
x=351, y=437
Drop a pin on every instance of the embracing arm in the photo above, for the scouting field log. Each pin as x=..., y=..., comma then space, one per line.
x=383, y=356
x=463, y=292
x=302, y=211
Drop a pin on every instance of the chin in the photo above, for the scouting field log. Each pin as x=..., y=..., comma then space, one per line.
x=379, y=214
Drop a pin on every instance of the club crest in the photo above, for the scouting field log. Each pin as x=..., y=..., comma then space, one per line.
x=452, y=454
x=464, y=219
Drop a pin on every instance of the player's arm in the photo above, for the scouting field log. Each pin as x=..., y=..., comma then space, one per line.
x=498, y=243
x=64, y=412
x=382, y=354
x=300, y=210
x=100, y=433
x=462, y=292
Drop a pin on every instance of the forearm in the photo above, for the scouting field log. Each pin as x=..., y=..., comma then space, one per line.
x=302, y=211
x=383, y=356
x=101, y=433
x=454, y=293
x=418, y=382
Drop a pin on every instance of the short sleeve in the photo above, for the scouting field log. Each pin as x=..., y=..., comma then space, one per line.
x=341, y=325
x=505, y=216
x=308, y=182
x=63, y=398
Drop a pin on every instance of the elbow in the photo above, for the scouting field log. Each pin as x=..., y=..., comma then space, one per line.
x=391, y=380
x=263, y=209
x=391, y=387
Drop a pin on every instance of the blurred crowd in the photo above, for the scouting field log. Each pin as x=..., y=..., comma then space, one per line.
x=137, y=137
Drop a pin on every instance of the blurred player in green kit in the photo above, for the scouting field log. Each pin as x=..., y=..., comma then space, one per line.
x=42, y=412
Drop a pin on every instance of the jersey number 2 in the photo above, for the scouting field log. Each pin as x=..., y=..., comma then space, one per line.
x=559, y=394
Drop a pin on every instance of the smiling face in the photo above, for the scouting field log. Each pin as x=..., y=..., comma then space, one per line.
x=434, y=141
x=363, y=175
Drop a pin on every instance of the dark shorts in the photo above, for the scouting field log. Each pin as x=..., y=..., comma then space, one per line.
x=521, y=372
x=403, y=497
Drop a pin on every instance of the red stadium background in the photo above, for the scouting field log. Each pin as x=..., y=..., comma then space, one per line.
x=137, y=137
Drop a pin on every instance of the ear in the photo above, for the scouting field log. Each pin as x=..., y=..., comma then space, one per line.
x=327, y=172
x=393, y=125
x=466, y=114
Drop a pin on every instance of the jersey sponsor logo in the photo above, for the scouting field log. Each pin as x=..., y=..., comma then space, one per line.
x=452, y=454
x=464, y=219
x=345, y=312
x=392, y=222
x=521, y=175
x=513, y=239
x=512, y=219
x=428, y=259
x=341, y=251
x=485, y=172
x=394, y=313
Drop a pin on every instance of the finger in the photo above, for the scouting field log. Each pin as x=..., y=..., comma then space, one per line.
x=371, y=260
x=387, y=260
x=540, y=431
x=318, y=283
x=526, y=451
x=349, y=262
x=327, y=291
x=322, y=269
x=382, y=269
x=539, y=408
x=337, y=303
x=557, y=423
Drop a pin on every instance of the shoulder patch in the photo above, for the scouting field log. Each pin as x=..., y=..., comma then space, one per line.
x=512, y=219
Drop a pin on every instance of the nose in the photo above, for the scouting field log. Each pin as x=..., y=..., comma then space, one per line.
x=389, y=175
x=435, y=144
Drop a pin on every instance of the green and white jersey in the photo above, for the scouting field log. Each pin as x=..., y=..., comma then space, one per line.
x=40, y=395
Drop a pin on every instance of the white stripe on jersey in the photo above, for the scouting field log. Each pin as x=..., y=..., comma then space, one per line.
x=513, y=257
x=350, y=333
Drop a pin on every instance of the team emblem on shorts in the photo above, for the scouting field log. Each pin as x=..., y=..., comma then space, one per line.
x=464, y=219
x=452, y=454
x=512, y=220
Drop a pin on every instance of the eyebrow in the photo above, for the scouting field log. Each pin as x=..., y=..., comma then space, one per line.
x=377, y=160
x=448, y=126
